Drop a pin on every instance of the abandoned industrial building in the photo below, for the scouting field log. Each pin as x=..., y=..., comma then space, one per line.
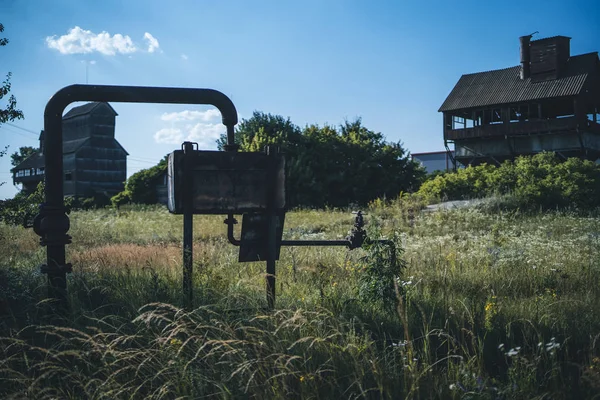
x=548, y=103
x=93, y=161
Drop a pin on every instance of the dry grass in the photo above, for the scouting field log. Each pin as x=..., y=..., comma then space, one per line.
x=495, y=306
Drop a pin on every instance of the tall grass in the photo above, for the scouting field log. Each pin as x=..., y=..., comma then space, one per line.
x=489, y=305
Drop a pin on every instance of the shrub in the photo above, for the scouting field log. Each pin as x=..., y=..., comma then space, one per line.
x=541, y=180
x=140, y=187
x=21, y=209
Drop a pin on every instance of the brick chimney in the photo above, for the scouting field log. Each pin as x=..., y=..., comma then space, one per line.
x=525, y=56
x=549, y=57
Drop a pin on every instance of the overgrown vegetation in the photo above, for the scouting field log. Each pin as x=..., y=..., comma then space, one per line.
x=21, y=209
x=326, y=166
x=489, y=305
x=332, y=166
x=542, y=180
x=140, y=187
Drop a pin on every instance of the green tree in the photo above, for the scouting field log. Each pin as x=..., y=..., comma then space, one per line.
x=353, y=164
x=8, y=112
x=18, y=157
x=332, y=166
x=271, y=129
x=140, y=187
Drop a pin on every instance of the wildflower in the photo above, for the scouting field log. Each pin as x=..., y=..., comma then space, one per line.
x=175, y=342
x=513, y=352
x=302, y=378
x=551, y=345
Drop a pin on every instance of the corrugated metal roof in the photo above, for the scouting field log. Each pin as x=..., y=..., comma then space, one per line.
x=85, y=109
x=506, y=86
x=37, y=160
x=72, y=145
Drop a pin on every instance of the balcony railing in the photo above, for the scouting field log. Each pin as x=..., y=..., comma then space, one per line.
x=28, y=178
x=523, y=128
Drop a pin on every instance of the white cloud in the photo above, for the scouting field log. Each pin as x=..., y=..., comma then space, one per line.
x=184, y=57
x=152, y=42
x=169, y=136
x=205, y=135
x=192, y=115
x=81, y=41
x=202, y=127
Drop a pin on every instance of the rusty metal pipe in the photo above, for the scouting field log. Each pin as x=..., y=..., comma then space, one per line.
x=231, y=221
x=52, y=222
x=315, y=243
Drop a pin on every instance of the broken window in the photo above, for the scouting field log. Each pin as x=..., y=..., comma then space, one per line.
x=496, y=116
x=519, y=113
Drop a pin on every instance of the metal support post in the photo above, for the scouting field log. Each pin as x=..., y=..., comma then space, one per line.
x=188, y=223
x=271, y=151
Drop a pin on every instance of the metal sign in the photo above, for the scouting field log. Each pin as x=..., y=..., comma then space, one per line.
x=225, y=182
x=254, y=239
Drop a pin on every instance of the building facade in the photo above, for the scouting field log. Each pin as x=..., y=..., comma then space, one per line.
x=93, y=160
x=548, y=103
x=436, y=160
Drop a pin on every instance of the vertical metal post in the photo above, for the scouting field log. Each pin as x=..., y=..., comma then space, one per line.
x=52, y=223
x=272, y=227
x=188, y=223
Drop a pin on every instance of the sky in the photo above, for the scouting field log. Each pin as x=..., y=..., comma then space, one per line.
x=391, y=63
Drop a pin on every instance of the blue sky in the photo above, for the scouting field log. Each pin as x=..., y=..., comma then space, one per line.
x=390, y=62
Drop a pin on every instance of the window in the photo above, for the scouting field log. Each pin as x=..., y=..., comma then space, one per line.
x=479, y=118
x=519, y=113
x=27, y=172
x=496, y=116
x=458, y=122
x=68, y=176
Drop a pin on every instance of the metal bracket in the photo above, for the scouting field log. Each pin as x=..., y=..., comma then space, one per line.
x=56, y=269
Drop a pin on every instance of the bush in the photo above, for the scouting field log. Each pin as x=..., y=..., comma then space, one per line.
x=140, y=188
x=21, y=209
x=541, y=180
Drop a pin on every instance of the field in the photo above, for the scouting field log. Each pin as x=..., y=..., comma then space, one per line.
x=488, y=304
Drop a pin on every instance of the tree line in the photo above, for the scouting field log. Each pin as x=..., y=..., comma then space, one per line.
x=326, y=166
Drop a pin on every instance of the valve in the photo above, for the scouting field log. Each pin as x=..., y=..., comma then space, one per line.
x=357, y=235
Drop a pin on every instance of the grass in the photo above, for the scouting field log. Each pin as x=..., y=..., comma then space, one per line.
x=496, y=305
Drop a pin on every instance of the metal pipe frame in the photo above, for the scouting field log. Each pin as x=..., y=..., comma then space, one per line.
x=52, y=223
x=231, y=221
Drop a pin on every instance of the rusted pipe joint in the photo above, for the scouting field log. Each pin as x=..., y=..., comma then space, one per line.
x=56, y=269
x=52, y=225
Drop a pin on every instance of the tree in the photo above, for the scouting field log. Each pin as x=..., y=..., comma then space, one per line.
x=9, y=112
x=18, y=157
x=269, y=129
x=329, y=166
x=140, y=187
